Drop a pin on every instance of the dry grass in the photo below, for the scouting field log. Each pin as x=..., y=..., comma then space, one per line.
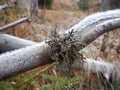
x=66, y=5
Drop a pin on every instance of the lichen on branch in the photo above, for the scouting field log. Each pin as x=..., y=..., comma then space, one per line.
x=64, y=51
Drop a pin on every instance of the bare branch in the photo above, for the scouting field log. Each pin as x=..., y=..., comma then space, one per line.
x=95, y=66
x=92, y=20
x=9, y=42
x=108, y=73
x=18, y=61
x=88, y=36
x=4, y=6
x=13, y=24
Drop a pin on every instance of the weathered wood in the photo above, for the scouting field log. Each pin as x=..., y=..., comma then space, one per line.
x=18, y=61
x=21, y=60
x=106, y=69
x=9, y=42
x=13, y=24
x=106, y=5
x=89, y=65
x=86, y=24
x=96, y=67
x=28, y=8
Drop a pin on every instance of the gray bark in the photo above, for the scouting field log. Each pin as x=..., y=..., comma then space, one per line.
x=109, y=4
x=106, y=5
x=21, y=60
x=29, y=8
x=89, y=65
x=86, y=24
x=13, y=24
x=95, y=66
x=9, y=42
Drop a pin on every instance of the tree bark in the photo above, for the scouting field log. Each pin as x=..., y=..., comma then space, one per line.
x=109, y=5
x=89, y=65
x=13, y=24
x=21, y=60
x=106, y=5
x=86, y=24
x=9, y=42
x=29, y=8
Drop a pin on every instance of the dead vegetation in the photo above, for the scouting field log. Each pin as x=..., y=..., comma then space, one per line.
x=64, y=51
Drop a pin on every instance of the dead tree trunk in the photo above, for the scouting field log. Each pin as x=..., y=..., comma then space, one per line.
x=109, y=4
x=85, y=25
x=86, y=31
x=106, y=5
x=29, y=8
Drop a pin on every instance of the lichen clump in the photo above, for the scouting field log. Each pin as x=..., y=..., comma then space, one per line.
x=64, y=51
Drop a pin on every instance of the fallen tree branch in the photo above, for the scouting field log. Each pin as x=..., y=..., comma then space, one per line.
x=108, y=73
x=88, y=36
x=2, y=7
x=86, y=24
x=13, y=24
x=9, y=42
x=92, y=20
x=95, y=66
x=18, y=61
x=90, y=65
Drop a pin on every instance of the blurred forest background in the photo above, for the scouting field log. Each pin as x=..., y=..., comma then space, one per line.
x=63, y=14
